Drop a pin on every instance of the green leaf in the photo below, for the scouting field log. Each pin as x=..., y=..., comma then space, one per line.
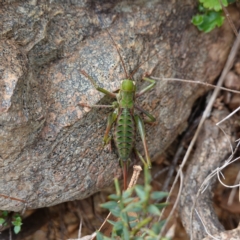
x=127, y=193
x=99, y=236
x=133, y=207
x=156, y=228
x=4, y=213
x=197, y=19
x=158, y=195
x=118, y=226
x=132, y=218
x=113, y=207
x=116, y=211
x=114, y=197
x=214, y=4
x=117, y=233
x=160, y=206
x=140, y=192
x=17, y=220
x=2, y=220
x=109, y=205
x=152, y=209
x=133, y=224
x=124, y=217
x=111, y=222
x=161, y=223
x=128, y=200
x=17, y=229
x=137, y=209
x=201, y=8
x=210, y=21
x=125, y=233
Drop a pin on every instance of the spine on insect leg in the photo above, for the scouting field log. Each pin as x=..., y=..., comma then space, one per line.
x=124, y=134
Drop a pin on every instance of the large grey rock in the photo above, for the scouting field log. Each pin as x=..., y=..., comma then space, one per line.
x=50, y=147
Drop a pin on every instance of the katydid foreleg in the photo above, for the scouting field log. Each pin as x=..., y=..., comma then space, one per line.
x=149, y=87
x=112, y=116
x=113, y=95
x=151, y=118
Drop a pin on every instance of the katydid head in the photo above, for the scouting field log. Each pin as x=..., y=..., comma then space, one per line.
x=126, y=94
x=128, y=86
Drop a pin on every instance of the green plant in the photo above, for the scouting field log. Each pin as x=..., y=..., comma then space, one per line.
x=134, y=215
x=3, y=218
x=211, y=14
x=17, y=221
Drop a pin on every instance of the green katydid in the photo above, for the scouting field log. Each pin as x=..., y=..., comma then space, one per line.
x=123, y=118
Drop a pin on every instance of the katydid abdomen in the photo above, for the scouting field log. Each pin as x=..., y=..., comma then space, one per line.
x=124, y=134
x=124, y=138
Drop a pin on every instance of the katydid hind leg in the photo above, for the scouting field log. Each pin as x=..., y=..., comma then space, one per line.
x=149, y=87
x=141, y=130
x=140, y=157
